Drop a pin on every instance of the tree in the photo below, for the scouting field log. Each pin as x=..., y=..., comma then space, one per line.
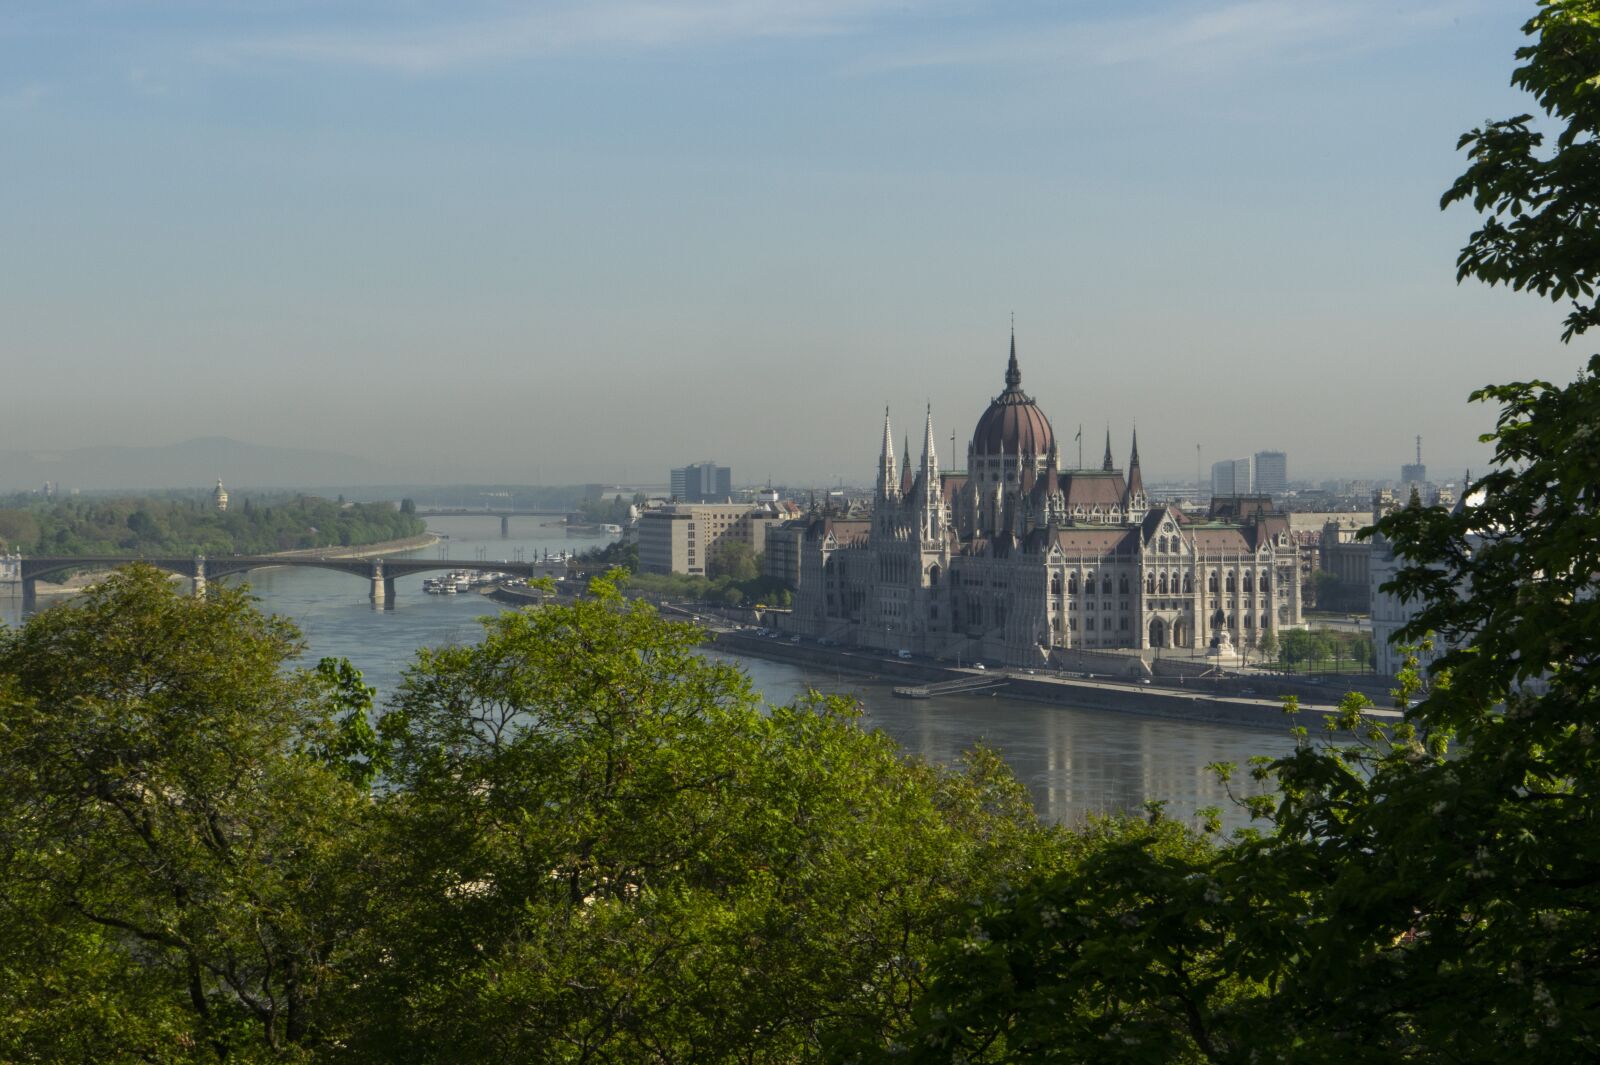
x=1406, y=905
x=18, y=529
x=604, y=847
x=734, y=559
x=1269, y=645
x=177, y=829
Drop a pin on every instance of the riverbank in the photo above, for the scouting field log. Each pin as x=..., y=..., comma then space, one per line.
x=1180, y=703
x=1248, y=702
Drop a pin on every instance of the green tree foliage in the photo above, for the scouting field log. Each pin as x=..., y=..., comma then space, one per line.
x=611, y=851
x=576, y=841
x=733, y=559
x=152, y=526
x=18, y=529
x=175, y=850
x=1405, y=905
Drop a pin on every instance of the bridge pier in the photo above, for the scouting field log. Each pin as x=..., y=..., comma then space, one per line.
x=505, y=526
x=382, y=586
x=30, y=594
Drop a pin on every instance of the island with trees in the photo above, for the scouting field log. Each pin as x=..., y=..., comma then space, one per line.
x=90, y=525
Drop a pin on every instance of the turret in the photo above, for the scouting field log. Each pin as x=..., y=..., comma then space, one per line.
x=930, y=501
x=1133, y=501
x=888, y=484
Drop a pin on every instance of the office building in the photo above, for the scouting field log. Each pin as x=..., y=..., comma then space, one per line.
x=1272, y=472
x=702, y=482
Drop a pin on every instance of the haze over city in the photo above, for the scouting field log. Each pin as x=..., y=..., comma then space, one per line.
x=557, y=242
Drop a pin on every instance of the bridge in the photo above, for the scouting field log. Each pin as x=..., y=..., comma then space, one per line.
x=505, y=515
x=380, y=572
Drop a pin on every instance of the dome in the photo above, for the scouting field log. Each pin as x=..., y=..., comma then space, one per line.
x=1013, y=424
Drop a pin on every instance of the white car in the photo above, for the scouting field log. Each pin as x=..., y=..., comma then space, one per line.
x=977, y=665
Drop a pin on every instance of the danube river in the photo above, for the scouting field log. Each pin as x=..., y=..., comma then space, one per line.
x=1074, y=762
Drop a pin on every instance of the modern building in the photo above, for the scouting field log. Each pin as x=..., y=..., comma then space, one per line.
x=681, y=537
x=1016, y=559
x=702, y=482
x=1272, y=472
x=1230, y=477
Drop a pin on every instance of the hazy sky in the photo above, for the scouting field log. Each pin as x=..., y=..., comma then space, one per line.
x=550, y=241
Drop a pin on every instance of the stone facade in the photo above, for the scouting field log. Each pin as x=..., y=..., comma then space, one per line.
x=1017, y=559
x=680, y=538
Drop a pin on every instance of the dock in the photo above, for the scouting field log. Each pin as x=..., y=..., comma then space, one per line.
x=959, y=686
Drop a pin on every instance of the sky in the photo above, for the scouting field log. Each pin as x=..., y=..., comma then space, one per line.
x=554, y=242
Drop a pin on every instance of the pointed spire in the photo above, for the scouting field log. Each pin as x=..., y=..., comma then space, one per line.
x=905, y=467
x=887, y=484
x=1135, y=479
x=1108, y=463
x=1013, y=375
x=930, y=457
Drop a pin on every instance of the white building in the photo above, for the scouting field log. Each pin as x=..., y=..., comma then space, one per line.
x=1016, y=557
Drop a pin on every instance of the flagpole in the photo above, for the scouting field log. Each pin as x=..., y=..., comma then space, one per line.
x=1079, y=439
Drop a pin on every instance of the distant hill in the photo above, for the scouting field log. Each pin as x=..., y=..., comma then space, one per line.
x=193, y=463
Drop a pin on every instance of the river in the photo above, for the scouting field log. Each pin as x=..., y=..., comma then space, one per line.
x=1073, y=762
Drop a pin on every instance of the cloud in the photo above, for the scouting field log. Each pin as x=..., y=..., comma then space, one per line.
x=604, y=24
x=1192, y=37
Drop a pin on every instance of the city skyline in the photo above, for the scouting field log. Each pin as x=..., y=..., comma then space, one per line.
x=742, y=228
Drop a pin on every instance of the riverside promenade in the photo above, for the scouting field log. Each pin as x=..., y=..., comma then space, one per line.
x=1250, y=701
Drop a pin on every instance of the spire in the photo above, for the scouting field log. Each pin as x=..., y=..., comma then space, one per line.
x=1135, y=481
x=930, y=457
x=1013, y=375
x=905, y=467
x=887, y=485
x=1108, y=463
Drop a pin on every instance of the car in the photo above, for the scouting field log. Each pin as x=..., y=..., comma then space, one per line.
x=902, y=654
x=794, y=639
x=978, y=665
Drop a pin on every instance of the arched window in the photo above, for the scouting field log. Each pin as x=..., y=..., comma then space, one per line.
x=1230, y=582
x=1072, y=584
x=933, y=577
x=1088, y=584
x=1122, y=584
x=1149, y=584
x=1249, y=621
x=1055, y=584
x=1213, y=582
x=1266, y=584
x=1188, y=583
x=1249, y=582
x=1266, y=620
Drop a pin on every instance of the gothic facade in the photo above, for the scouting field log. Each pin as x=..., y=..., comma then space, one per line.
x=1017, y=559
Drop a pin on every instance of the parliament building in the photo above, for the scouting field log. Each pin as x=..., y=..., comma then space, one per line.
x=1018, y=560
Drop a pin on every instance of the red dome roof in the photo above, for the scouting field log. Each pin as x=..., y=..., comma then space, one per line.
x=1013, y=424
